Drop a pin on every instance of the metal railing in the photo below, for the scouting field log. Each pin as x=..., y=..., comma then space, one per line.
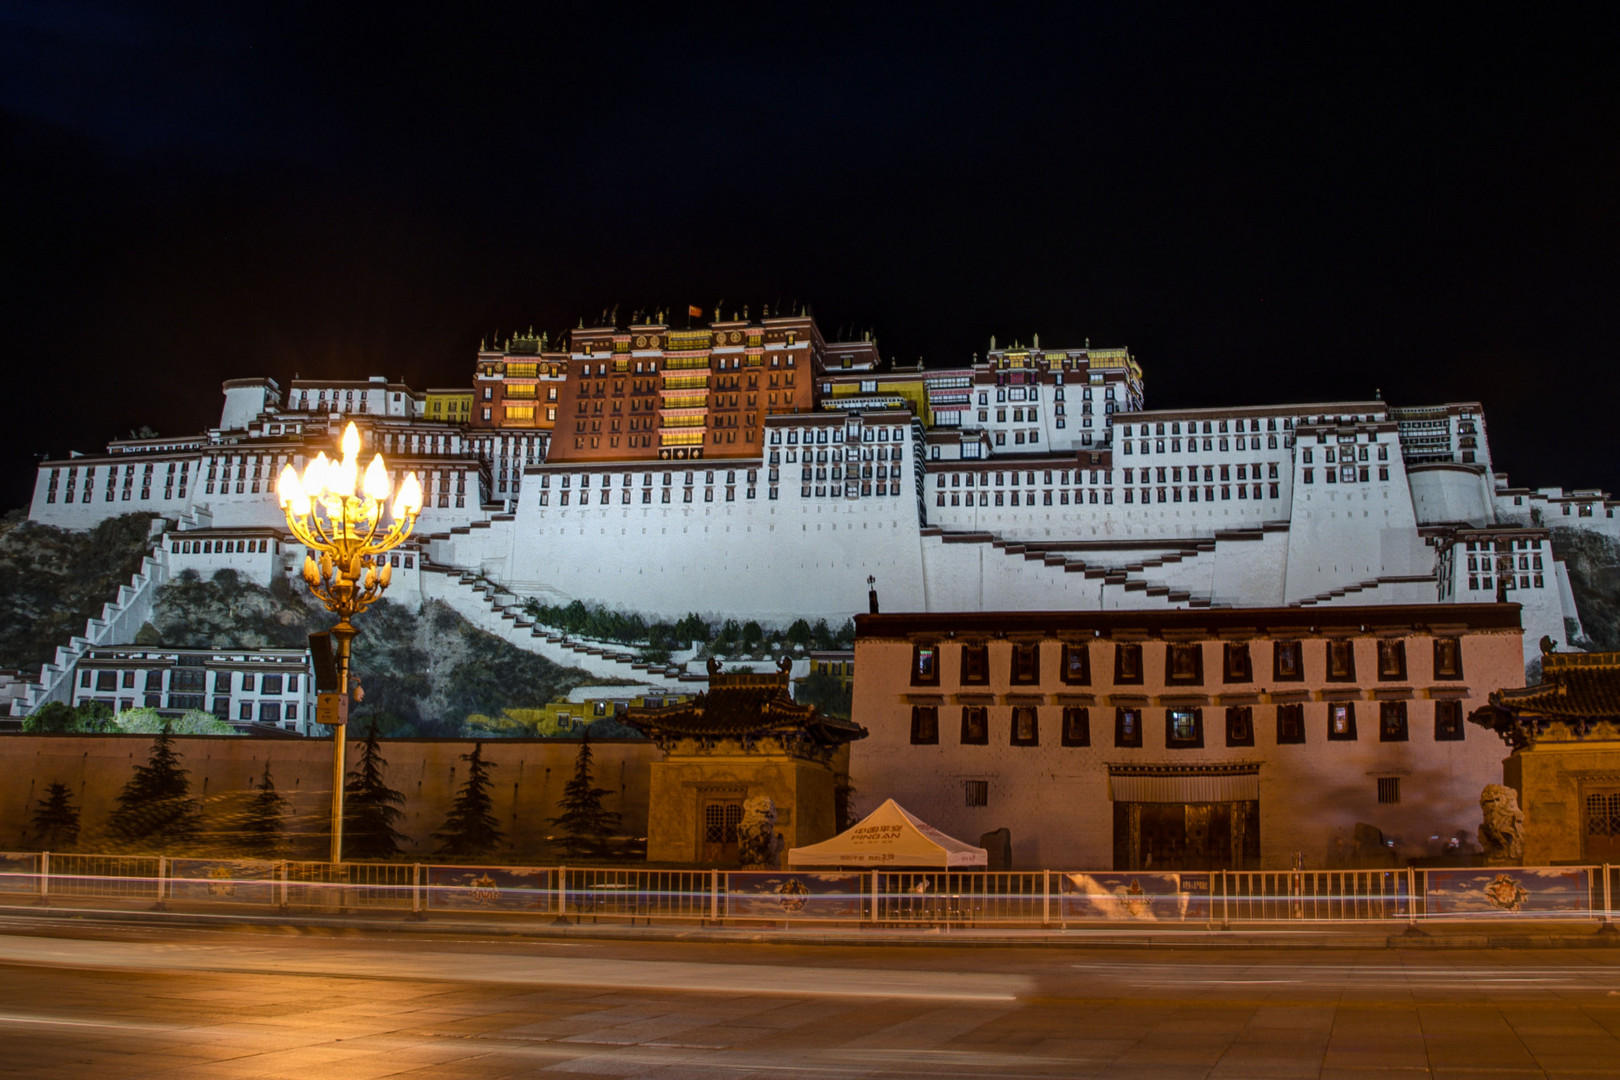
x=885, y=898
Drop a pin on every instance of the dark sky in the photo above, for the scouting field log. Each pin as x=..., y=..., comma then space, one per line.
x=1266, y=204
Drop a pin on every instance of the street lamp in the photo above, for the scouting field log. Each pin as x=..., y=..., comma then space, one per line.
x=327, y=515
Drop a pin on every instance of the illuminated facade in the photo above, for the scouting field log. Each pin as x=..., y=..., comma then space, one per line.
x=750, y=467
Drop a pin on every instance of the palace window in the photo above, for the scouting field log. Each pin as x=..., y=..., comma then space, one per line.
x=975, y=725
x=1128, y=662
x=1341, y=661
x=1076, y=664
x=1448, y=658
x=924, y=725
x=1025, y=726
x=1183, y=728
x=1236, y=662
x=1391, y=659
x=1448, y=721
x=1392, y=721
x=1184, y=665
x=1127, y=727
x=976, y=792
x=925, y=665
x=1290, y=724
x=1076, y=726
x=1026, y=665
x=1341, y=721
x=975, y=665
x=1240, y=726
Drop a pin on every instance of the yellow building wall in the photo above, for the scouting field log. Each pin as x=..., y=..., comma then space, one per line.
x=1551, y=779
x=801, y=790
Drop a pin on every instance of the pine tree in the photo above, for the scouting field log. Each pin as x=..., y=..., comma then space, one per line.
x=371, y=807
x=155, y=809
x=56, y=821
x=587, y=828
x=471, y=828
x=263, y=827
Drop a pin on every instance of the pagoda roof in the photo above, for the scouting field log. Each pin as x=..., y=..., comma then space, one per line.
x=747, y=707
x=1576, y=690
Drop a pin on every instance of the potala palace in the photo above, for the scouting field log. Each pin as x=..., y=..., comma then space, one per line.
x=750, y=468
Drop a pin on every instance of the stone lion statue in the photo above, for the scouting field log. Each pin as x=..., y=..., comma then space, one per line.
x=1502, y=832
x=758, y=845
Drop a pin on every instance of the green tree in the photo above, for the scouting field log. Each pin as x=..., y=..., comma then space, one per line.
x=370, y=807
x=155, y=808
x=56, y=718
x=799, y=634
x=470, y=828
x=826, y=693
x=56, y=820
x=264, y=824
x=587, y=828
x=753, y=636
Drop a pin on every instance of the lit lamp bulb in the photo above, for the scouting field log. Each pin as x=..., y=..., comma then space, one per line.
x=409, y=501
x=291, y=492
x=315, y=476
x=377, y=484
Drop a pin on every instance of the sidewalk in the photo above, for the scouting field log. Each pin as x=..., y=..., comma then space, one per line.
x=1489, y=933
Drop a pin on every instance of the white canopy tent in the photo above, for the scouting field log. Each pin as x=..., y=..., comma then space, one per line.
x=890, y=837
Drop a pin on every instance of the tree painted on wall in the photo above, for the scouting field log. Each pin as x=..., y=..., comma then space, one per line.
x=264, y=824
x=56, y=819
x=587, y=828
x=470, y=829
x=370, y=807
x=155, y=810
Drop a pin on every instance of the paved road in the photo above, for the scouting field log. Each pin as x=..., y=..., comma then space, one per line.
x=107, y=1002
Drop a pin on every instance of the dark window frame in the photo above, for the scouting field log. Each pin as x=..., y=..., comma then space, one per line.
x=1034, y=738
x=1297, y=736
x=1349, y=734
x=1174, y=652
x=1448, y=720
x=1237, y=665
x=1240, y=725
x=1348, y=672
x=921, y=734
x=1121, y=737
x=1193, y=742
x=977, y=671
x=983, y=737
x=1015, y=661
x=1072, y=652
x=1391, y=660
x=1076, y=726
x=1280, y=649
x=1392, y=725
x=1454, y=669
x=1123, y=649
x=921, y=675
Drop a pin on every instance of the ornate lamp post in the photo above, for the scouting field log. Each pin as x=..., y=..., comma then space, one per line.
x=328, y=515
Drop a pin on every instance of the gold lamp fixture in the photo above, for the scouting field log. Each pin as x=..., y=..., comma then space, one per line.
x=337, y=513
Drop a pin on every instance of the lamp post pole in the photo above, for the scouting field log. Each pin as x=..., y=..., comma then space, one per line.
x=336, y=515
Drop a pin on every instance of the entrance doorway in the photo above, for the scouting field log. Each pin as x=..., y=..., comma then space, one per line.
x=1186, y=836
x=719, y=821
x=1601, y=839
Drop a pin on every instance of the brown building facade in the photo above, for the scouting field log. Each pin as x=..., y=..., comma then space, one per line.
x=1187, y=739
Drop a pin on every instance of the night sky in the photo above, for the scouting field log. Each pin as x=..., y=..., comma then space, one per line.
x=1265, y=204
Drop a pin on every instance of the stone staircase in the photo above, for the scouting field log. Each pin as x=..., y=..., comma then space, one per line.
x=493, y=608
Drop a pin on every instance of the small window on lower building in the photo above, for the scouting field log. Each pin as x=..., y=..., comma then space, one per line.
x=1025, y=726
x=1342, y=721
x=1389, y=789
x=1290, y=724
x=1076, y=726
x=245, y=711
x=1392, y=721
x=1448, y=721
x=1240, y=726
x=977, y=792
x=975, y=725
x=1127, y=727
x=924, y=725
x=1183, y=728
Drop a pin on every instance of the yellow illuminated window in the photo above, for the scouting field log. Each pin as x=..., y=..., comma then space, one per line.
x=522, y=371
x=520, y=412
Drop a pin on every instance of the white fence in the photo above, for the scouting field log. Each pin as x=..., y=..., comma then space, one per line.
x=1030, y=899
